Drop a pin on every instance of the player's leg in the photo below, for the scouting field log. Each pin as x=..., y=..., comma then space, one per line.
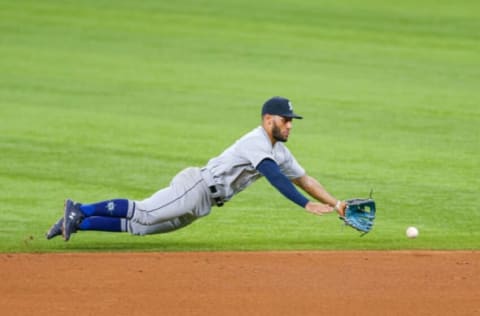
x=111, y=215
x=111, y=208
x=109, y=212
x=135, y=228
x=102, y=216
x=187, y=195
x=117, y=224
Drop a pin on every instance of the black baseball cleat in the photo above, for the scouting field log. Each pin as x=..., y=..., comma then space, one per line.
x=55, y=230
x=72, y=218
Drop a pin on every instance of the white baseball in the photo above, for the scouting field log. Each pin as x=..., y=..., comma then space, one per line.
x=412, y=232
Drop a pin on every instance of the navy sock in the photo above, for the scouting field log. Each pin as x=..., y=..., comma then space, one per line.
x=110, y=208
x=106, y=224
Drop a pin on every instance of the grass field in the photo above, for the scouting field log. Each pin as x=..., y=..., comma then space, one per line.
x=105, y=99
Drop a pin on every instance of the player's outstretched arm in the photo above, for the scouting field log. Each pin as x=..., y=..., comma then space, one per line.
x=318, y=192
x=318, y=208
x=271, y=171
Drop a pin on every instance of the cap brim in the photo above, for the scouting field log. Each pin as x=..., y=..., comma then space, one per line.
x=293, y=115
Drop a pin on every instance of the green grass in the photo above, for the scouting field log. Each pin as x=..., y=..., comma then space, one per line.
x=104, y=99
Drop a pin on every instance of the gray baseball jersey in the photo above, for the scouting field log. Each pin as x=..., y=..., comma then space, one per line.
x=235, y=169
x=188, y=196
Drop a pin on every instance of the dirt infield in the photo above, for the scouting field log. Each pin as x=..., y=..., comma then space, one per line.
x=238, y=283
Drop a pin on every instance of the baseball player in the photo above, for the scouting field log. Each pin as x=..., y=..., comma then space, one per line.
x=192, y=192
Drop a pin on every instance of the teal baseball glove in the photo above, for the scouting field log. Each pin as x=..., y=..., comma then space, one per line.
x=360, y=214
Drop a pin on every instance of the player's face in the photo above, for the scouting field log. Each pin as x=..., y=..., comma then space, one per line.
x=281, y=128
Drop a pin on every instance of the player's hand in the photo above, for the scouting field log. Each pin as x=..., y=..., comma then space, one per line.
x=318, y=208
x=341, y=208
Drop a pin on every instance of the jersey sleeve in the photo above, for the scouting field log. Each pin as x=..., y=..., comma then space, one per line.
x=290, y=166
x=256, y=150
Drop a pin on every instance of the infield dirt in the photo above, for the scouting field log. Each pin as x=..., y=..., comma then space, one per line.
x=242, y=283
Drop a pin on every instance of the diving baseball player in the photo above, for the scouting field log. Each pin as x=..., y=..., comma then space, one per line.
x=192, y=192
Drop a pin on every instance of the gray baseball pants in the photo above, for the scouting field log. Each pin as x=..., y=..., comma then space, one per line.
x=182, y=202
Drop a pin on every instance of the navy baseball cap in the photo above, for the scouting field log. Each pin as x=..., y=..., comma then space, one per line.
x=279, y=106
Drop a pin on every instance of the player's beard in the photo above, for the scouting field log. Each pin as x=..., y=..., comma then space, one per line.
x=277, y=134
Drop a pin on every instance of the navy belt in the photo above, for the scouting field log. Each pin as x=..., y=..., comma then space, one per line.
x=215, y=194
x=218, y=200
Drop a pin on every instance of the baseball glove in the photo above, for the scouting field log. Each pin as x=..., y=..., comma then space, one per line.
x=359, y=214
